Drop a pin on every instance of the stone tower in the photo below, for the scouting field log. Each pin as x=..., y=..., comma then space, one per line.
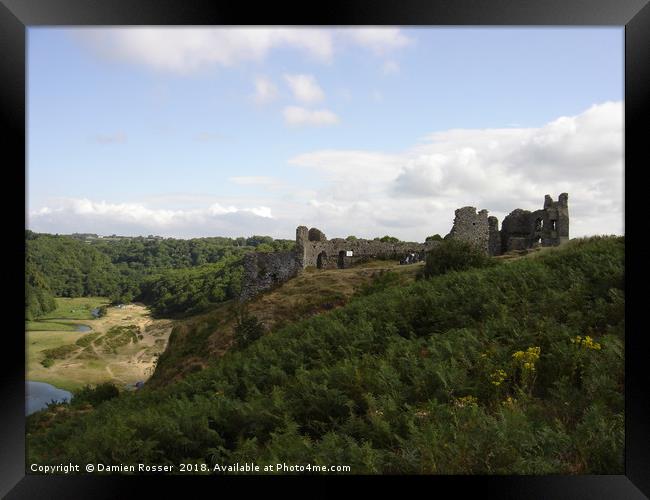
x=472, y=227
x=555, y=222
x=522, y=229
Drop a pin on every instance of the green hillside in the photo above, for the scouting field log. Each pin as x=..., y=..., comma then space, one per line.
x=174, y=277
x=516, y=368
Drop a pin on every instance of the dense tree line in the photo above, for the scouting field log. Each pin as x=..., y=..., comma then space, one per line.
x=515, y=368
x=192, y=274
x=39, y=298
x=185, y=292
x=69, y=267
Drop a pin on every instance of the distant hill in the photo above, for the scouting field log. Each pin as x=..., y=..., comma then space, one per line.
x=197, y=273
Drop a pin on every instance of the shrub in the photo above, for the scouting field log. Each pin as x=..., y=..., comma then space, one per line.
x=94, y=396
x=248, y=329
x=454, y=255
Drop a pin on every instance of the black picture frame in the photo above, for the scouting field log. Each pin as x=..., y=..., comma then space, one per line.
x=17, y=15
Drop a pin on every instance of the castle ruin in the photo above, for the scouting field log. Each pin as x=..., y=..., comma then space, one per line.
x=521, y=229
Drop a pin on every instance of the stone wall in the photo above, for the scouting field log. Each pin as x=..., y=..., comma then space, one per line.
x=314, y=249
x=494, y=236
x=472, y=227
x=266, y=270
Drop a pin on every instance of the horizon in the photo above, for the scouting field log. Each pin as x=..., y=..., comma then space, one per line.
x=220, y=132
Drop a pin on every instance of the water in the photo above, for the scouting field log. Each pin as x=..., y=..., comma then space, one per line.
x=39, y=394
x=83, y=328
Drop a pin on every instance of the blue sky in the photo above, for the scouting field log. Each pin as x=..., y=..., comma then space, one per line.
x=200, y=132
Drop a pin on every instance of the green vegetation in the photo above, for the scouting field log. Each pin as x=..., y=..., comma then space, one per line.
x=435, y=237
x=248, y=329
x=119, y=336
x=454, y=255
x=388, y=239
x=515, y=368
x=88, y=339
x=69, y=267
x=95, y=395
x=190, y=291
x=196, y=273
x=55, y=353
x=50, y=326
x=39, y=298
x=74, y=308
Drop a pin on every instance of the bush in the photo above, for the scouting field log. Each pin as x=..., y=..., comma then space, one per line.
x=435, y=237
x=454, y=255
x=248, y=329
x=94, y=396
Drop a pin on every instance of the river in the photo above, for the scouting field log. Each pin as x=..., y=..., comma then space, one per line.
x=39, y=394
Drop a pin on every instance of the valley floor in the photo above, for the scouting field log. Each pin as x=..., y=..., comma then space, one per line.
x=103, y=354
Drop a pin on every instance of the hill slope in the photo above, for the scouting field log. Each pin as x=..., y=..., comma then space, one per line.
x=197, y=341
x=516, y=368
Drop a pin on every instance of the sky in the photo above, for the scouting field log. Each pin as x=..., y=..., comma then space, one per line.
x=369, y=131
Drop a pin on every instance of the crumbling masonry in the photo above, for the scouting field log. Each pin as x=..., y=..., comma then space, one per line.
x=521, y=229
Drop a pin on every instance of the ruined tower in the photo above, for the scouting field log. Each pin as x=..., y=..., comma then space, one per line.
x=477, y=228
x=555, y=223
x=522, y=229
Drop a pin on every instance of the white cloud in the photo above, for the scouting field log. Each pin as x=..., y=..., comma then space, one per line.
x=71, y=215
x=186, y=50
x=390, y=67
x=183, y=50
x=416, y=192
x=379, y=40
x=305, y=88
x=265, y=90
x=296, y=115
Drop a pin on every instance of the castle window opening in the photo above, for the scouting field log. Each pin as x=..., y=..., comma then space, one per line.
x=553, y=225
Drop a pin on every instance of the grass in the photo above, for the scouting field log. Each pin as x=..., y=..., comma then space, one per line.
x=75, y=308
x=50, y=326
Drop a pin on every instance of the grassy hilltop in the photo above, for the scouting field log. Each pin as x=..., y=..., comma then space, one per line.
x=517, y=368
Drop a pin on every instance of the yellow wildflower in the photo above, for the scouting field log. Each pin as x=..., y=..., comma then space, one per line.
x=586, y=343
x=466, y=401
x=509, y=401
x=498, y=377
